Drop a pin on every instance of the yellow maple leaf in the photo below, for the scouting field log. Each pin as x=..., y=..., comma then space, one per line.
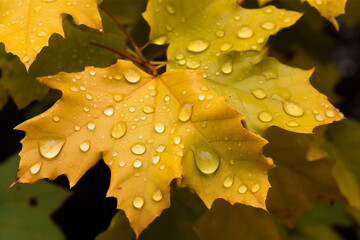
x=142, y=126
x=26, y=25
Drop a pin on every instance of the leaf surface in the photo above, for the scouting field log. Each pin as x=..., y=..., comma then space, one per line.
x=269, y=93
x=141, y=126
x=26, y=209
x=26, y=26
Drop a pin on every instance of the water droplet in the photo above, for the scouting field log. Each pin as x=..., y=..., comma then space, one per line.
x=220, y=34
x=85, y=146
x=76, y=127
x=185, y=112
x=109, y=111
x=319, y=117
x=48, y=1
x=88, y=96
x=118, y=98
x=166, y=98
x=330, y=113
x=132, y=76
x=35, y=168
x=160, y=40
x=258, y=93
x=161, y=148
x=265, y=117
x=255, y=188
x=179, y=56
x=201, y=97
x=170, y=9
x=245, y=32
x=228, y=182
x=50, y=148
x=193, y=64
x=138, y=202
x=159, y=127
x=156, y=159
x=198, y=45
x=318, y=2
x=117, y=77
x=268, y=25
x=157, y=195
x=225, y=47
x=56, y=118
x=42, y=34
x=242, y=189
x=122, y=164
x=74, y=89
x=206, y=159
x=132, y=109
x=137, y=163
x=227, y=67
x=91, y=126
x=177, y=140
x=270, y=74
x=293, y=109
x=118, y=130
x=138, y=148
x=292, y=124
x=148, y=109
x=92, y=72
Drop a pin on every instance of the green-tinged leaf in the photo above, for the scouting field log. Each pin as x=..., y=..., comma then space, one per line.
x=269, y=93
x=126, y=11
x=15, y=82
x=296, y=183
x=119, y=229
x=227, y=222
x=198, y=31
x=26, y=26
x=75, y=51
x=25, y=209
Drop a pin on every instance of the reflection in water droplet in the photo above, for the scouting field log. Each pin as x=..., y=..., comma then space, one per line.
x=255, y=188
x=132, y=76
x=198, y=45
x=91, y=126
x=109, y=111
x=137, y=163
x=185, y=112
x=206, y=159
x=265, y=117
x=258, y=93
x=138, y=148
x=49, y=148
x=159, y=127
x=118, y=130
x=227, y=67
x=228, y=182
x=35, y=168
x=122, y=164
x=242, y=189
x=245, y=32
x=293, y=109
x=157, y=195
x=85, y=146
x=138, y=202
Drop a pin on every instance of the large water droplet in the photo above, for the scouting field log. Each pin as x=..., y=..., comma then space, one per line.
x=132, y=76
x=137, y=163
x=245, y=32
x=255, y=188
x=157, y=195
x=206, y=159
x=156, y=159
x=242, y=189
x=265, y=117
x=109, y=111
x=159, y=127
x=161, y=148
x=228, y=182
x=268, y=25
x=227, y=67
x=50, y=148
x=330, y=113
x=138, y=148
x=148, y=109
x=138, y=202
x=185, y=112
x=293, y=109
x=35, y=168
x=198, y=45
x=85, y=146
x=258, y=93
x=118, y=130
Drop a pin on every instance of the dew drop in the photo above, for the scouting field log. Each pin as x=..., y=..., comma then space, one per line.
x=92, y=72
x=76, y=127
x=292, y=124
x=227, y=67
x=225, y=47
x=109, y=111
x=118, y=98
x=198, y=45
x=242, y=189
x=91, y=126
x=137, y=163
x=170, y=9
x=148, y=109
x=48, y=1
x=265, y=117
x=177, y=140
x=156, y=159
x=185, y=112
x=228, y=182
x=132, y=109
x=35, y=168
x=255, y=188
x=293, y=109
x=56, y=118
x=138, y=202
x=258, y=93
x=161, y=148
x=50, y=148
x=132, y=76
x=122, y=164
x=245, y=32
x=268, y=25
x=85, y=146
x=206, y=159
x=118, y=130
x=319, y=118
x=138, y=148
x=193, y=64
x=88, y=96
x=160, y=40
x=179, y=56
x=220, y=34
x=159, y=127
x=330, y=113
x=157, y=195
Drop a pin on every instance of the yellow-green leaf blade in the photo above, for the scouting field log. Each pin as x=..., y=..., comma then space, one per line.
x=26, y=26
x=269, y=93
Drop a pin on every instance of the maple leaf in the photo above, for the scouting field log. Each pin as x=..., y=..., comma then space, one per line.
x=199, y=31
x=26, y=26
x=142, y=126
x=297, y=184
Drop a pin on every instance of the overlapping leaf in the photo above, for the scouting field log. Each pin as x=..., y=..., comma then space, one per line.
x=200, y=30
x=142, y=126
x=26, y=25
